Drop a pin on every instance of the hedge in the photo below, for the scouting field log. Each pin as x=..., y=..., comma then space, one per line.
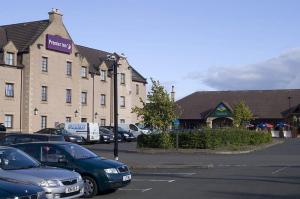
x=204, y=139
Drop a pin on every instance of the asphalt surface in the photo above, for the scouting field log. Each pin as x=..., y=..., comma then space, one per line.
x=270, y=173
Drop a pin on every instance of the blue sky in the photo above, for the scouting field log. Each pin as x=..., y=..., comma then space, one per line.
x=192, y=44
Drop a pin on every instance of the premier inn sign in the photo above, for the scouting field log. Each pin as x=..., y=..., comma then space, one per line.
x=59, y=44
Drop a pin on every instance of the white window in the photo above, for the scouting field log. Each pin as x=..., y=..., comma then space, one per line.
x=122, y=101
x=9, y=59
x=122, y=121
x=68, y=119
x=83, y=72
x=68, y=96
x=45, y=64
x=103, y=75
x=43, y=121
x=69, y=68
x=44, y=93
x=122, y=78
x=102, y=99
x=9, y=90
x=8, y=121
x=83, y=97
x=102, y=122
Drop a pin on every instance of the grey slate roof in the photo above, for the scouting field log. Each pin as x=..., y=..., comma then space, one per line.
x=272, y=104
x=22, y=34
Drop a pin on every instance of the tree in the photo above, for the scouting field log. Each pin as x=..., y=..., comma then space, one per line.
x=159, y=111
x=241, y=114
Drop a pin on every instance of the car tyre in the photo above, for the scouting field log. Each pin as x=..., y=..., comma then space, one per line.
x=90, y=187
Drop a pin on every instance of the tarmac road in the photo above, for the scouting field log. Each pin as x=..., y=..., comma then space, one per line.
x=270, y=173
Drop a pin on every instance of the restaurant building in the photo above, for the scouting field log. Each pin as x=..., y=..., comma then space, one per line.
x=46, y=79
x=215, y=108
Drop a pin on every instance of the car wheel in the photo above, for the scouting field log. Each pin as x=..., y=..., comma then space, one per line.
x=90, y=187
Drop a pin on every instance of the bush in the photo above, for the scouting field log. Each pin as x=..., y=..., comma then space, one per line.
x=205, y=139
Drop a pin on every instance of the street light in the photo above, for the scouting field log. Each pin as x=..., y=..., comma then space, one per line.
x=35, y=111
x=96, y=114
x=113, y=58
x=76, y=113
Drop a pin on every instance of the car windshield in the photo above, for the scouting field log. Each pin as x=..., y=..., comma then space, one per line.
x=105, y=131
x=78, y=152
x=14, y=159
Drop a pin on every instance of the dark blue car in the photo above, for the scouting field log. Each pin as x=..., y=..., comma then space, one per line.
x=10, y=188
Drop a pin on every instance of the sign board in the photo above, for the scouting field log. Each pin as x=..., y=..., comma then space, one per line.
x=59, y=44
x=221, y=111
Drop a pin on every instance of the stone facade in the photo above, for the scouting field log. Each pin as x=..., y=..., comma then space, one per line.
x=31, y=112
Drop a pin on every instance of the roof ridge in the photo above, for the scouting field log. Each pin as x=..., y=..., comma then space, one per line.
x=93, y=49
x=24, y=23
x=254, y=90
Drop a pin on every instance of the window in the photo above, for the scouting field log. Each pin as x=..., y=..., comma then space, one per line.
x=122, y=101
x=9, y=59
x=102, y=122
x=83, y=72
x=122, y=78
x=69, y=68
x=102, y=99
x=8, y=121
x=122, y=121
x=83, y=119
x=43, y=121
x=68, y=96
x=44, y=93
x=45, y=64
x=51, y=154
x=137, y=89
x=103, y=75
x=9, y=90
x=83, y=97
x=68, y=119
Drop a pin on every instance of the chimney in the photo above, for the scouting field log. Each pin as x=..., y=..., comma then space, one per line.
x=173, y=94
x=55, y=15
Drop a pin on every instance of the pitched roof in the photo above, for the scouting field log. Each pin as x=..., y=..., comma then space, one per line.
x=271, y=104
x=95, y=57
x=22, y=34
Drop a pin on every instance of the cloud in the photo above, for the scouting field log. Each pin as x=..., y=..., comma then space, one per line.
x=277, y=73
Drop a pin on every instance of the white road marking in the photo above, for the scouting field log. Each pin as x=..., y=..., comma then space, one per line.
x=279, y=170
x=152, y=180
x=186, y=174
x=142, y=190
x=232, y=165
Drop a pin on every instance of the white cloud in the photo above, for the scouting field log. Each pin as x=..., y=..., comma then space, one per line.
x=277, y=73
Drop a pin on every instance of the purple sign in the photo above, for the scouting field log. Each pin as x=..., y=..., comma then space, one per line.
x=57, y=43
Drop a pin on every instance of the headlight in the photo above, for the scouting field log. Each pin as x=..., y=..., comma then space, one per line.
x=126, y=135
x=72, y=138
x=111, y=170
x=104, y=136
x=50, y=183
x=79, y=178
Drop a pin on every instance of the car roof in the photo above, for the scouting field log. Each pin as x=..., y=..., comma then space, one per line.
x=43, y=142
x=33, y=134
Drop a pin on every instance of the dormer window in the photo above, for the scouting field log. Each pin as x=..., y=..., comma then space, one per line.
x=9, y=58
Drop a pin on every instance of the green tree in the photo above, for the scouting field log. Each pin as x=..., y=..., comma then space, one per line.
x=159, y=111
x=241, y=114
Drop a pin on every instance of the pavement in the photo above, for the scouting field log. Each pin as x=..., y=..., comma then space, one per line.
x=170, y=159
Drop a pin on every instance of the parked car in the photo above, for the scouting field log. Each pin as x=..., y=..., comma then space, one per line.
x=2, y=127
x=88, y=131
x=56, y=182
x=107, y=136
x=10, y=188
x=134, y=129
x=99, y=174
x=67, y=136
x=14, y=138
x=125, y=135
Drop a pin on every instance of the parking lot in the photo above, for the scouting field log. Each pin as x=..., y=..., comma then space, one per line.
x=269, y=173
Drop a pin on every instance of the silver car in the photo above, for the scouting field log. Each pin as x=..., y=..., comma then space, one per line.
x=57, y=183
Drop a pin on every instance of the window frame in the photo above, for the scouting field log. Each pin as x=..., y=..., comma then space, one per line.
x=69, y=96
x=122, y=102
x=43, y=121
x=10, y=58
x=103, y=100
x=83, y=72
x=83, y=102
x=69, y=68
x=137, y=89
x=103, y=122
x=44, y=64
x=44, y=93
x=122, y=79
x=103, y=75
x=9, y=93
x=10, y=122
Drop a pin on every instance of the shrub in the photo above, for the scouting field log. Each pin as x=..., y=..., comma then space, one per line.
x=204, y=139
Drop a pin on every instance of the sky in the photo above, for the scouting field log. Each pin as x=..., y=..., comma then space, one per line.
x=195, y=45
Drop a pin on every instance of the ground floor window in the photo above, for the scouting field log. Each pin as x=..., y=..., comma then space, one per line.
x=8, y=121
x=43, y=121
x=122, y=121
x=68, y=119
x=83, y=119
x=102, y=122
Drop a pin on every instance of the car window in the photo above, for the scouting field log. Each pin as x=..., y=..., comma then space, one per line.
x=57, y=138
x=133, y=127
x=23, y=139
x=32, y=150
x=78, y=152
x=51, y=154
x=8, y=140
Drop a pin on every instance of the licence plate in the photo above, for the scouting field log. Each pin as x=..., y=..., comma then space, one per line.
x=127, y=177
x=72, y=189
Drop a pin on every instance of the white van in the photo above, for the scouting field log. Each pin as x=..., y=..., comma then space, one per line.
x=134, y=129
x=88, y=131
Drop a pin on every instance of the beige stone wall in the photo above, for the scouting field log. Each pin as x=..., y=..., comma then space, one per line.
x=10, y=105
x=136, y=98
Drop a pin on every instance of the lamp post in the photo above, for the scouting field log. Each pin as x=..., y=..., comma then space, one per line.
x=76, y=113
x=35, y=111
x=113, y=58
